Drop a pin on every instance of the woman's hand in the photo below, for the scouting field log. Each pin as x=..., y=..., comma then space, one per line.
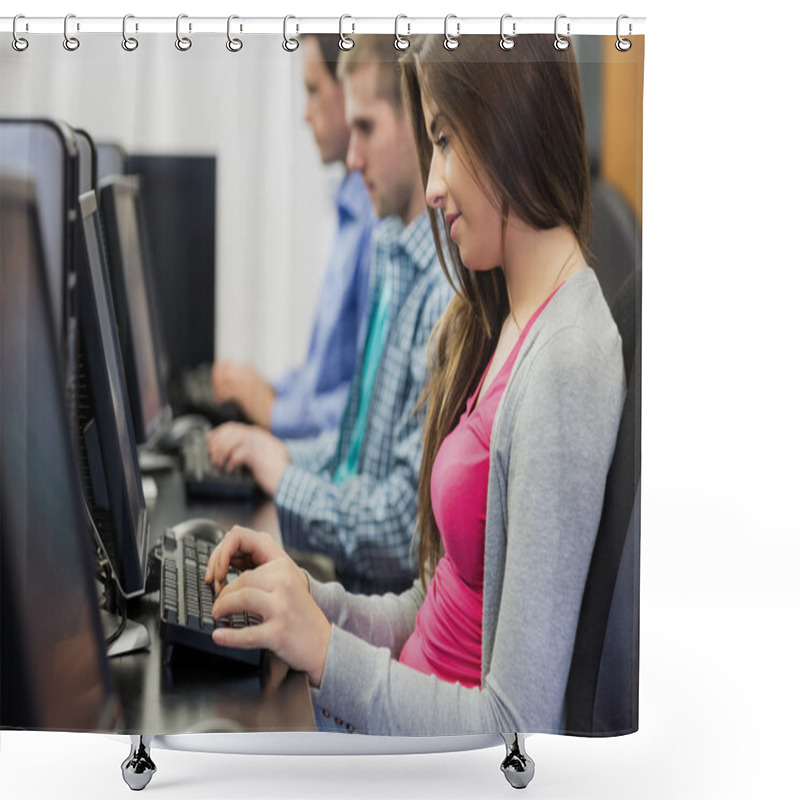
x=242, y=549
x=293, y=626
x=234, y=444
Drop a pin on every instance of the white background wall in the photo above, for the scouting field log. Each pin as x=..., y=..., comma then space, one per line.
x=719, y=696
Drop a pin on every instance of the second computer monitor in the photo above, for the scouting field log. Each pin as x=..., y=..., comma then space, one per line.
x=107, y=444
x=133, y=305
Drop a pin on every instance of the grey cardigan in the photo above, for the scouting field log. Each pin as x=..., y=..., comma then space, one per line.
x=552, y=442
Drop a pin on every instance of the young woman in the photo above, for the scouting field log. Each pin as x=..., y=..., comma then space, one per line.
x=523, y=406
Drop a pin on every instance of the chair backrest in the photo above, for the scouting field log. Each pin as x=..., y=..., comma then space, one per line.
x=614, y=239
x=602, y=689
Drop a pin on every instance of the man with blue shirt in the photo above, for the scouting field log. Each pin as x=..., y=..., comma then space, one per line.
x=353, y=495
x=311, y=398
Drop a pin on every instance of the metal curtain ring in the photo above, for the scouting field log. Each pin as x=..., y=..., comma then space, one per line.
x=450, y=41
x=507, y=42
x=623, y=45
x=400, y=42
x=233, y=44
x=345, y=42
x=560, y=42
x=18, y=43
x=128, y=42
x=70, y=42
x=183, y=43
x=289, y=44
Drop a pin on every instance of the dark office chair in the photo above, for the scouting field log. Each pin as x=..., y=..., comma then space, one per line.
x=602, y=688
x=614, y=239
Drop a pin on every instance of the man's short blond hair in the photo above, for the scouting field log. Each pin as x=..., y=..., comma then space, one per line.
x=375, y=49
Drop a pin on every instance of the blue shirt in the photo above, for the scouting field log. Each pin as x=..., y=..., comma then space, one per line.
x=366, y=523
x=311, y=399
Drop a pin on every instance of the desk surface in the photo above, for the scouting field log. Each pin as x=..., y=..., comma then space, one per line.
x=197, y=693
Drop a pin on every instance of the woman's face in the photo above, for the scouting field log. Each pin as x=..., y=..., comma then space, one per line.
x=472, y=218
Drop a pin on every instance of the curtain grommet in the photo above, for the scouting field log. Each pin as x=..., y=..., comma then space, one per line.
x=233, y=44
x=19, y=43
x=129, y=43
x=183, y=43
x=345, y=42
x=560, y=43
x=71, y=43
x=401, y=42
x=290, y=44
x=507, y=41
x=451, y=41
x=623, y=45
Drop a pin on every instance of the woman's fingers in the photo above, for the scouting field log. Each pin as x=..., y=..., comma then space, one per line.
x=254, y=597
x=237, y=543
x=292, y=625
x=240, y=545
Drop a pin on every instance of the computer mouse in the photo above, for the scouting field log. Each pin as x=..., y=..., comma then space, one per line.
x=199, y=528
x=178, y=429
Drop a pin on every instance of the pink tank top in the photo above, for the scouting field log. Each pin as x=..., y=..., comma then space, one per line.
x=446, y=641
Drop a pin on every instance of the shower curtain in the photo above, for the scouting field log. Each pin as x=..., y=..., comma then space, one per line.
x=240, y=212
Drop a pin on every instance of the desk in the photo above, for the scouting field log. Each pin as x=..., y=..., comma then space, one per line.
x=197, y=693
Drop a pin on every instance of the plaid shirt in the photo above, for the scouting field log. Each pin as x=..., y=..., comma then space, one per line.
x=366, y=523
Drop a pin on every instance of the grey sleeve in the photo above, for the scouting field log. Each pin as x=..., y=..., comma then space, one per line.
x=384, y=620
x=553, y=448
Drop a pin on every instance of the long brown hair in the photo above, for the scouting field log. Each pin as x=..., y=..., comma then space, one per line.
x=517, y=116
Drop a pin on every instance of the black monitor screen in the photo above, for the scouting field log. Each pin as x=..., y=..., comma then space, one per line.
x=133, y=307
x=54, y=673
x=107, y=446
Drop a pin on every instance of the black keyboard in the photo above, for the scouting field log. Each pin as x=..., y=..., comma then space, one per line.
x=197, y=387
x=186, y=600
x=203, y=479
x=194, y=393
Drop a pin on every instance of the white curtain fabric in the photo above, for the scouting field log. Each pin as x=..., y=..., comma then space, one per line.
x=274, y=213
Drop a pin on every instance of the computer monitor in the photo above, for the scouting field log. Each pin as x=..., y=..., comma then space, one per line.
x=107, y=449
x=134, y=305
x=54, y=674
x=179, y=206
x=111, y=160
x=45, y=153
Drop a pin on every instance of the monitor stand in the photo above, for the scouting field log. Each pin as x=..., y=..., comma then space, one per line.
x=152, y=461
x=133, y=637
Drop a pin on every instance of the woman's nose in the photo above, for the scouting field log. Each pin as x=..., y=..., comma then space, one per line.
x=436, y=189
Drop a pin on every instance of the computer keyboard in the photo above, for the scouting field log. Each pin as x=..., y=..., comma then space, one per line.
x=203, y=479
x=197, y=385
x=186, y=600
x=194, y=393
